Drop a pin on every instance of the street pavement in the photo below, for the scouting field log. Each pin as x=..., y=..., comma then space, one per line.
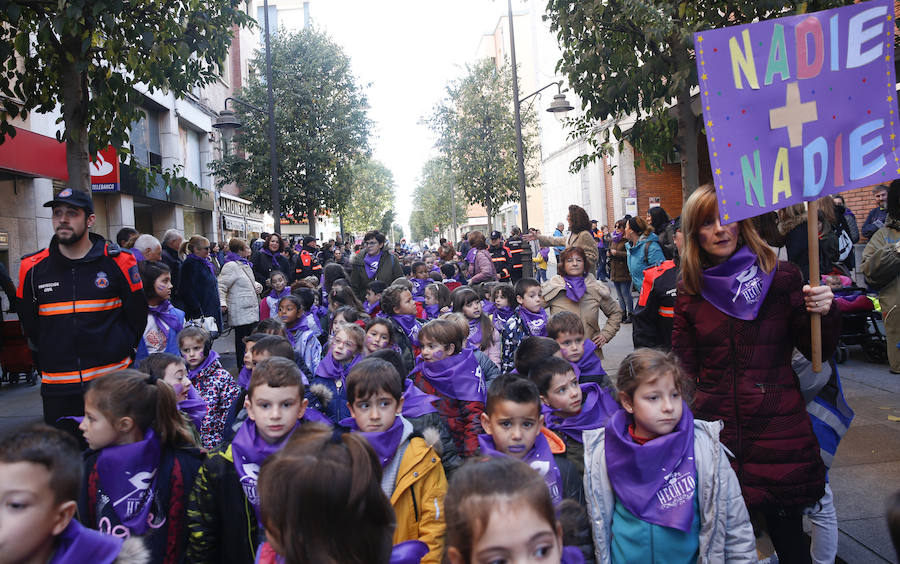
x=865, y=473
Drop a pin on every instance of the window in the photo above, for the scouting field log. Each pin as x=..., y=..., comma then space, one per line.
x=144, y=139
x=190, y=154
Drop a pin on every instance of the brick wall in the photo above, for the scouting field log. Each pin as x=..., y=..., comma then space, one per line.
x=610, y=205
x=860, y=201
x=665, y=184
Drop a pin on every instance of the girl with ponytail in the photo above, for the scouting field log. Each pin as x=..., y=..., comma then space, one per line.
x=141, y=464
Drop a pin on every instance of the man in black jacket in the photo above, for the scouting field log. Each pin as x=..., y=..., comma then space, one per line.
x=500, y=257
x=514, y=245
x=82, y=305
x=655, y=311
x=171, y=247
x=305, y=263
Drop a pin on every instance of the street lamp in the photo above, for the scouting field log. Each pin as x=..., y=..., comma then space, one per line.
x=559, y=105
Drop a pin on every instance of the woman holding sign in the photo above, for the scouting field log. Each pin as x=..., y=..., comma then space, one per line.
x=738, y=315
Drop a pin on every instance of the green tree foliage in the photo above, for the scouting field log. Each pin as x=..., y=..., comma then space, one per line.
x=632, y=61
x=418, y=227
x=433, y=195
x=368, y=189
x=477, y=135
x=89, y=55
x=321, y=127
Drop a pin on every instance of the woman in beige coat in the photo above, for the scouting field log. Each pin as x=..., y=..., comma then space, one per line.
x=579, y=236
x=238, y=293
x=591, y=297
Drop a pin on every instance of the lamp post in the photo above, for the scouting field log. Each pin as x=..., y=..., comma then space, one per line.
x=559, y=104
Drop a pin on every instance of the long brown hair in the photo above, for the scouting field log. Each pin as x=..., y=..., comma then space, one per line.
x=476, y=239
x=465, y=295
x=578, y=220
x=700, y=206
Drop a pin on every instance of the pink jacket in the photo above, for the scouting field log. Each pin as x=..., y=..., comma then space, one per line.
x=484, y=268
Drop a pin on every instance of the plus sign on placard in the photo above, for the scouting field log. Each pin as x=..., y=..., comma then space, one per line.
x=793, y=115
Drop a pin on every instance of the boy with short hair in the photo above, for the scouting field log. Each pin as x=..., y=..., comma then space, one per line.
x=450, y=272
x=573, y=408
x=533, y=351
x=567, y=330
x=514, y=427
x=530, y=319
x=372, y=305
x=223, y=511
x=419, y=280
x=413, y=477
x=398, y=307
x=40, y=479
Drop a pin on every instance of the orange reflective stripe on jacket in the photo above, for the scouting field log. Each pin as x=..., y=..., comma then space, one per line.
x=79, y=306
x=78, y=376
x=666, y=311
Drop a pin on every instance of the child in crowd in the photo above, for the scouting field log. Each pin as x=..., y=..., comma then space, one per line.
x=40, y=476
x=343, y=296
x=214, y=384
x=437, y=300
x=271, y=326
x=323, y=501
x=398, y=307
x=655, y=472
x=164, y=320
x=313, y=316
x=514, y=427
x=345, y=315
x=847, y=299
x=489, y=370
x=172, y=369
x=372, y=305
x=567, y=330
x=503, y=296
x=329, y=384
x=224, y=507
x=141, y=465
x=482, y=335
x=533, y=351
x=501, y=510
x=430, y=262
x=307, y=348
x=484, y=291
x=243, y=379
x=571, y=408
x=419, y=280
x=268, y=306
x=446, y=370
x=530, y=319
x=379, y=335
x=413, y=477
x=450, y=272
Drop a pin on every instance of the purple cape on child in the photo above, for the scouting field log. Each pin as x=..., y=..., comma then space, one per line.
x=596, y=407
x=418, y=291
x=655, y=481
x=589, y=363
x=432, y=311
x=458, y=376
x=285, y=292
x=410, y=326
x=128, y=475
x=212, y=357
x=417, y=403
x=78, y=544
x=738, y=286
x=539, y=457
x=502, y=315
x=249, y=450
x=535, y=323
x=369, y=308
x=384, y=443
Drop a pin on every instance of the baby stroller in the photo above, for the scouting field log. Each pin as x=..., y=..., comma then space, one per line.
x=15, y=356
x=859, y=326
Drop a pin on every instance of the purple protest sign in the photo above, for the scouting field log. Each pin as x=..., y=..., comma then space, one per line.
x=799, y=107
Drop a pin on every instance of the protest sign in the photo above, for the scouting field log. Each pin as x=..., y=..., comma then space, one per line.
x=799, y=107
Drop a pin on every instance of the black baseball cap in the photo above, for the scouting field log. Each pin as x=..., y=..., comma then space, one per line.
x=496, y=235
x=593, y=221
x=308, y=239
x=74, y=198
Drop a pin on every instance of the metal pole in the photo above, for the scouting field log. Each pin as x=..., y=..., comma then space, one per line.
x=453, y=211
x=527, y=267
x=273, y=151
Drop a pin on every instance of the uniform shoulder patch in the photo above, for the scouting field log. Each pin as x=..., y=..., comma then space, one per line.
x=134, y=275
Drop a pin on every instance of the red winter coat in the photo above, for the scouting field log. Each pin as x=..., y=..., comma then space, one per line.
x=743, y=374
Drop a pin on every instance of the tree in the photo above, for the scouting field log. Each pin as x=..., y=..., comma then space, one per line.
x=633, y=60
x=89, y=56
x=418, y=226
x=321, y=128
x=477, y=135
x=433, y=194
x=368, y=193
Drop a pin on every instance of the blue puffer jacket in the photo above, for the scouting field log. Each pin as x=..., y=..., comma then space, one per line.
x=638, y=260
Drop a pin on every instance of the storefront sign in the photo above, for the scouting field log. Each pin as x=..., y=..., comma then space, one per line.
x=105, y=171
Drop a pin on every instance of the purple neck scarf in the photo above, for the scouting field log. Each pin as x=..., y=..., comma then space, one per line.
x=590, y=364
x=488, y=307
x=417, y=403
x=432, y=311
x=596, y=407
x=77, y=544
x=418, y=290
x=331, y=369
x=410, y=326
x=539, y=457
x=244, y=377
x=408, y=552
x=474, y=339
x=313, y=415
x=212, y=357
x=384, y=443
x=738, y=286
x=571, y=555
x=502, y=315
x=295, y=330
x=535, y=323
x=285, y=292
x=616, y=236
x=458, y=376
x=165, y=318
x=128, y=474
x=575, y=287
x=656, y=481
x=195, y=407
x=229, y=257
x=371, y=264
x=249, y=449
x=369, y=308
x=265, y=250
x=206, y=261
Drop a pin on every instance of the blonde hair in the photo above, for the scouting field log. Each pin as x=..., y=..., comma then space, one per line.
x=196, y=241
x=354, y=332
x=700, y=206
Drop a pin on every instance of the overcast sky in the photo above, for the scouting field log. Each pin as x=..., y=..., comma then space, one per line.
x=408, y=50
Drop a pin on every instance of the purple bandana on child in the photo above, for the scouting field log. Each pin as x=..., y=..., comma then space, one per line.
x=249, y=450
x=432, y=311
x=212, y=357
x=590, y=364
x=575, y=287
x=458, y=376
x=738, y=286
x=331, y=369
x=313, y=415
x=502, y=315
x=535, y=323
x=128, y=476
x=294, y=331
x=474, y=339
x=234, y=257
x=488, y=307
x=408, y=552
x=410, y=326
x=539, y=457
x=206, y=261
x=655, y=481
x=596, y=407
x=78, y=544
x=195, y=407
x=417, y=403
x=369, y=307
x=418, y=288
x=470, y=256
x=371, y=264
x=165, y=318
x=285, y=292
x=384, y=443
x=244, y=377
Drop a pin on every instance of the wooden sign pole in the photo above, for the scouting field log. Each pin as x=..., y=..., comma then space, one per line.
x=815, y=319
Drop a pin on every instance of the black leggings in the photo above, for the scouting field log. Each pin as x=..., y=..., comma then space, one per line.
x=241, y=331
x=785, y=528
